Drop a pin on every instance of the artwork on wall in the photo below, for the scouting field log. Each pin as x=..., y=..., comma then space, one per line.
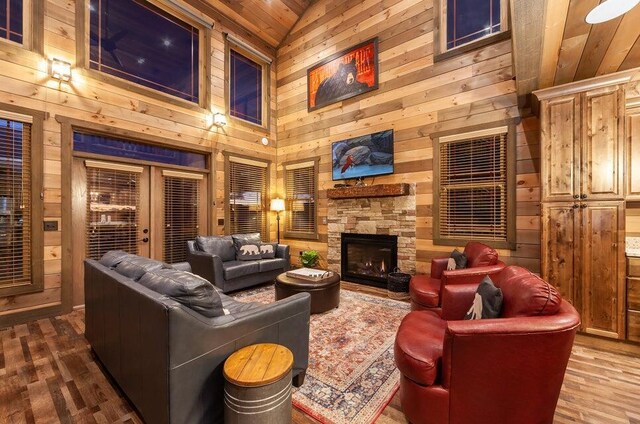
x=343, y=75
x=364, y=156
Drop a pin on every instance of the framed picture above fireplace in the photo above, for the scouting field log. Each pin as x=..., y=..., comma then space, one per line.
x=364, y=156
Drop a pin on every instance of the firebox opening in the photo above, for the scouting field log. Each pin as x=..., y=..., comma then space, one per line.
x=368, y=258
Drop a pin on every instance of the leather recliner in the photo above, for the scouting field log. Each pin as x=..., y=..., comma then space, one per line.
x=503, y=370
x=424, y=290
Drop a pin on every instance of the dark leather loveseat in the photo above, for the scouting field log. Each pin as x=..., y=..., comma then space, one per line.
x=166, y=357
x=214, y=258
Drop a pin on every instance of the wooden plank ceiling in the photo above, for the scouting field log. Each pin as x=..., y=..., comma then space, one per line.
x=574, y=50
x=269, y=20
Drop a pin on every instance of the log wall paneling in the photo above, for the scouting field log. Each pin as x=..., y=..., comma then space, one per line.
x=416, y=98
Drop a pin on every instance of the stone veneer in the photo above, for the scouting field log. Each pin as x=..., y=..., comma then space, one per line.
x=374, y=215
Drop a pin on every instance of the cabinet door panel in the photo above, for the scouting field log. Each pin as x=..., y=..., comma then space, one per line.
x=602, y=264
x=602, y=147
x=558, y=246
x=633, y=155
x=560, y=148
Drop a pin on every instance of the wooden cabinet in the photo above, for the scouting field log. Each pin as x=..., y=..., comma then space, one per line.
x=582, y=146
x=583, y=256
x=633, y=299
x=633, y=155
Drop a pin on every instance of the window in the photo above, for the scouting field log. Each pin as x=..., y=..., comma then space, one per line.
x=21, y=248
x=142, y=43
x=300, y=180
x=474, y=197
x=461, y=22
x=247, y=185
x=11, y=22
x=248, y=83
x=181, y=213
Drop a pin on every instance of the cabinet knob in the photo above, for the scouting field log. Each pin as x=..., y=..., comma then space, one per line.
x=576, y=196
x=614, y=245
x=583, y=205
x=583, y=196
x=575, y=206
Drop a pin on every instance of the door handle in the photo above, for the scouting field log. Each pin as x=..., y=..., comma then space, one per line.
x=145, y=240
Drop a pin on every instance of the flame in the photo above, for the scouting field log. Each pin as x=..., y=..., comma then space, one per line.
x=382, y=269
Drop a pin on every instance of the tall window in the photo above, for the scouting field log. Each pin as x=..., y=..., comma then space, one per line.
x=181, y=213
x=247, y=184
x=461, y=22
x=20, y=206
x=474, y=198
x=300, y=180
x=142, y=43
x=247, y=92
x=11, y=21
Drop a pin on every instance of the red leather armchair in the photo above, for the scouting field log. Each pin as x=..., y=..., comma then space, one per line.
x=424, y=290
x=504, y=370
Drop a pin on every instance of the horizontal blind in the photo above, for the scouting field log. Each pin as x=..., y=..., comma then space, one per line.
x=473, y=188
x=247, y=188
x=300, y=188
x=113, y=209
x=181, y=216
x=15, y=202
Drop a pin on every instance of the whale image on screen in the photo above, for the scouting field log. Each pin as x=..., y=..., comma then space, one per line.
x=364, y=156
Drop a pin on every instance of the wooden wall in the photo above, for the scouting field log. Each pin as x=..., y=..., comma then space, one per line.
x=25, y=82
x=416, y=98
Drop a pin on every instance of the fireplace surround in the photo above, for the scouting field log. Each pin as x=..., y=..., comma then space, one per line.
x=368, y=258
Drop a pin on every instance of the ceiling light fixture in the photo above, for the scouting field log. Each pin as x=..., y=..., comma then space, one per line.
x=610, y=9
x=60, y=70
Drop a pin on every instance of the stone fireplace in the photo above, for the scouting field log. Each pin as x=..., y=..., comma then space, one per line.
x=372, y=214
x=368, y=258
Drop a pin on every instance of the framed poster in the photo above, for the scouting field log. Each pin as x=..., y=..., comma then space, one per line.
x=343, y=75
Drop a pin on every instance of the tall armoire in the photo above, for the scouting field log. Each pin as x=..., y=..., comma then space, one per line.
x=582, y=185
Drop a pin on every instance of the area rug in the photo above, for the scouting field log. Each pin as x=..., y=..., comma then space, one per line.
x=351, y=375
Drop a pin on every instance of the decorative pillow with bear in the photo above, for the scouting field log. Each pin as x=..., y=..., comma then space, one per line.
x=247, y=250
x=487, y=302
x=268, y=250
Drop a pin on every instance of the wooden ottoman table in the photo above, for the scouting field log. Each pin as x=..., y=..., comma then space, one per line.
x=325, y=293
x=258, y=385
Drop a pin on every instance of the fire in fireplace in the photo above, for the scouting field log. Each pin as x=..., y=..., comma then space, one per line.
x=367, y=258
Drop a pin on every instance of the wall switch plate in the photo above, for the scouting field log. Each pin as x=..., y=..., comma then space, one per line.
x=51, y=225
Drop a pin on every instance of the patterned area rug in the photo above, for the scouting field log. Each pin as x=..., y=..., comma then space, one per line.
x=351, y=375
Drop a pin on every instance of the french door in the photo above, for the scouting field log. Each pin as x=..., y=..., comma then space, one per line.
x=146, y=210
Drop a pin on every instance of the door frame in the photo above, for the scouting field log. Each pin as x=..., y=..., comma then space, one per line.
x=68, y=126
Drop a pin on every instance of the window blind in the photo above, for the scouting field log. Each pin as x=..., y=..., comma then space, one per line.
x=301, y=194
x=15, y=202
x=181, y=214
x=473, y=188
x=247, y=193
x=113, y=209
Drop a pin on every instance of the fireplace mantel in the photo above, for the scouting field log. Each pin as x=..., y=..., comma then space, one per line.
x=378, y=190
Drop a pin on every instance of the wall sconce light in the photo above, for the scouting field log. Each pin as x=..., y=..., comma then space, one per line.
x=264, y=141
x=219, y=120
x=60, y=70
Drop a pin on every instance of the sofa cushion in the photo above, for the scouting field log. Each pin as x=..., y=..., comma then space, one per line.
x=487, y=302
x=268, y=250
x=272, y=264
x=234, y=307
x=247, y=250
x=525, y=294
x=113, y=258
x=217, y=245
x=235, y=269
x=425, y=291
x=135, y=267
x=479, y=254
x=418, y=346
x=191, y=290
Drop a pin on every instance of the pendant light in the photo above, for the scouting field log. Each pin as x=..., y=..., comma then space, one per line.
x=610, y=9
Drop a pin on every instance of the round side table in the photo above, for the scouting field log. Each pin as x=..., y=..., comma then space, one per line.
x=258, y=385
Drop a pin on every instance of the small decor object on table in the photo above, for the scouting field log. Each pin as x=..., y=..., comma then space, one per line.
x=398, y=285
x=258, y=385
x=322, y=285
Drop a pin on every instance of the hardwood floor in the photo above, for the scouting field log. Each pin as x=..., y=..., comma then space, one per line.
x=48, y=375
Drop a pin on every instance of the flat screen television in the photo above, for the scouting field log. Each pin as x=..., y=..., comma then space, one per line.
x=364, y=156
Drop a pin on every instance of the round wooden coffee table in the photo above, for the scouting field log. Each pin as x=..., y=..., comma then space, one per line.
x=258, y=385
x=325, y=294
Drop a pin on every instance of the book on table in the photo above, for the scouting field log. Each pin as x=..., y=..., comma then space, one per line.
x=309, y=274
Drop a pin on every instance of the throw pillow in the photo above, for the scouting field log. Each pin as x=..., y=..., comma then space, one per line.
x=268, y=250
x=247, y=250
x=460, y=258
x=487, y=302
x=191, y=290
x=113, y=258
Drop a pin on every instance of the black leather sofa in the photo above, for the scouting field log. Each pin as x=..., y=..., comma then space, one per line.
x=214, y=258
x=166, y=357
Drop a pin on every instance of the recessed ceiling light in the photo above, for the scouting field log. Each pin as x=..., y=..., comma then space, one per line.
x=610, y=9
